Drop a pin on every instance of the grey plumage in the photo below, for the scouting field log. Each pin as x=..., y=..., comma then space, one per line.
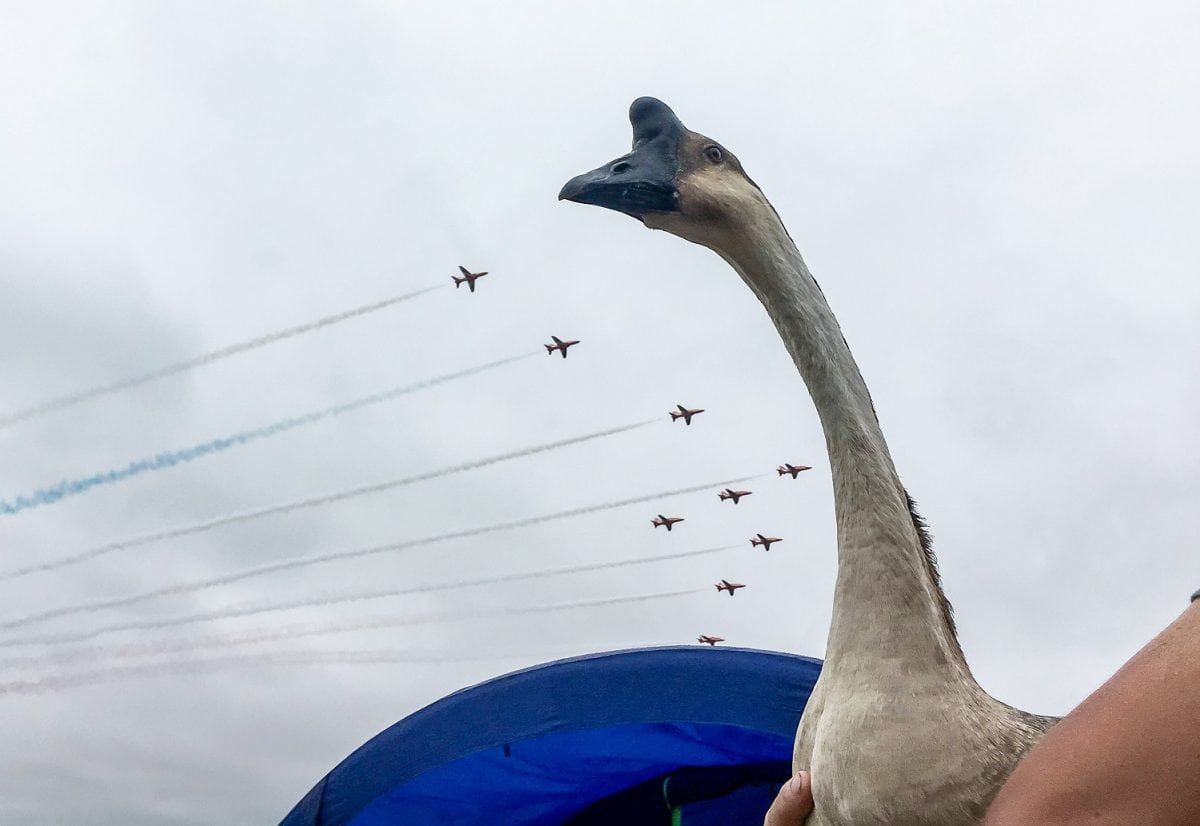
x=897, y=730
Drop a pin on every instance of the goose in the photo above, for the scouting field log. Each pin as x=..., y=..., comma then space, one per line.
x=897, y=730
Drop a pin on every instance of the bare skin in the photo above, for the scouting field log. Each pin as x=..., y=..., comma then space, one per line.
x=1130, y=753
x=793, y=803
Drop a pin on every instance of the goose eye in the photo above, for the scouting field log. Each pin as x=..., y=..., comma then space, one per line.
x=714, y=154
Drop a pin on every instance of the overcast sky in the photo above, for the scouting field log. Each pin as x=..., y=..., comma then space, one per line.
x=1000, y=204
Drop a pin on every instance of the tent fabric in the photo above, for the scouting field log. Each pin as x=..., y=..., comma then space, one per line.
x=744, y=805
x=548, y=779
x=692, y=796
x=539, y=745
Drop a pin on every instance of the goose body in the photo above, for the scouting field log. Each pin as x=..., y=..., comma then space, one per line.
x=897, y=730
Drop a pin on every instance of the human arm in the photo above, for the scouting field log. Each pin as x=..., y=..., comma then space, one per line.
x=1130, y=753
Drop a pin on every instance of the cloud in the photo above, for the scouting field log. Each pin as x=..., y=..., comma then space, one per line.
x=997, y=206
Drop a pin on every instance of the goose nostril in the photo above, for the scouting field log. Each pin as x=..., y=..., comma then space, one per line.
x=619, y=167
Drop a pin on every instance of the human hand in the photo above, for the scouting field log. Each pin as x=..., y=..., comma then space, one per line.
x=793, y=803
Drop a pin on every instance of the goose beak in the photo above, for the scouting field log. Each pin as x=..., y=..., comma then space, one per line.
x=620, y=186
x=644, y=180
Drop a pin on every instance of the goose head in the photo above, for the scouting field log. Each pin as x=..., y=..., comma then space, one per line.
x=674, y=179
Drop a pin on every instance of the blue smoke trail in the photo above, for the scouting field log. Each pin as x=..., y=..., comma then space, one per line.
x=73, y=487
x=310, y=502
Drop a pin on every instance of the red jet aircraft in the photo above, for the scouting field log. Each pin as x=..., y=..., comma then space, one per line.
x=765, y=541
x=559, y=345
x=665, y=521
x=735, y=495
x=469, y=278
x=685, y=414
x=705, y=638
x=726, y=585
x=792, y=469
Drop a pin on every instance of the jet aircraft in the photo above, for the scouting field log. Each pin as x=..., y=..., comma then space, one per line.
x=685, y=414
x=765, y=541
x=726, y=585
x=469, y=278
x=792, y=469
x=665, y=521
x=735, y=495
x=705, y=638
x=559, y=345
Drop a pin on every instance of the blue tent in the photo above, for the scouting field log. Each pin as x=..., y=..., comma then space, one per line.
x=687, y=735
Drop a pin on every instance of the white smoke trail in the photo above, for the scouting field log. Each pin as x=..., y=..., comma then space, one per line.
x=58, y=682
x=207, y=358
x=270, y=659
x=354, y=553
x=236, y=612
x=311, y=502
x=72, y=487
x=298, y=631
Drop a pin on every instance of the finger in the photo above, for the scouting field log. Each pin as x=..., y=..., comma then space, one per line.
x=793, y=803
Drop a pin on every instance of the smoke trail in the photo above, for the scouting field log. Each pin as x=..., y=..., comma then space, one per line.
x=73, y=487
x=207, y=358
x=236, y=612
x=391, y=656
x=297, y=631
x=43, y=685
x=317, y=559
x=274, y=658
x=315, y=501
